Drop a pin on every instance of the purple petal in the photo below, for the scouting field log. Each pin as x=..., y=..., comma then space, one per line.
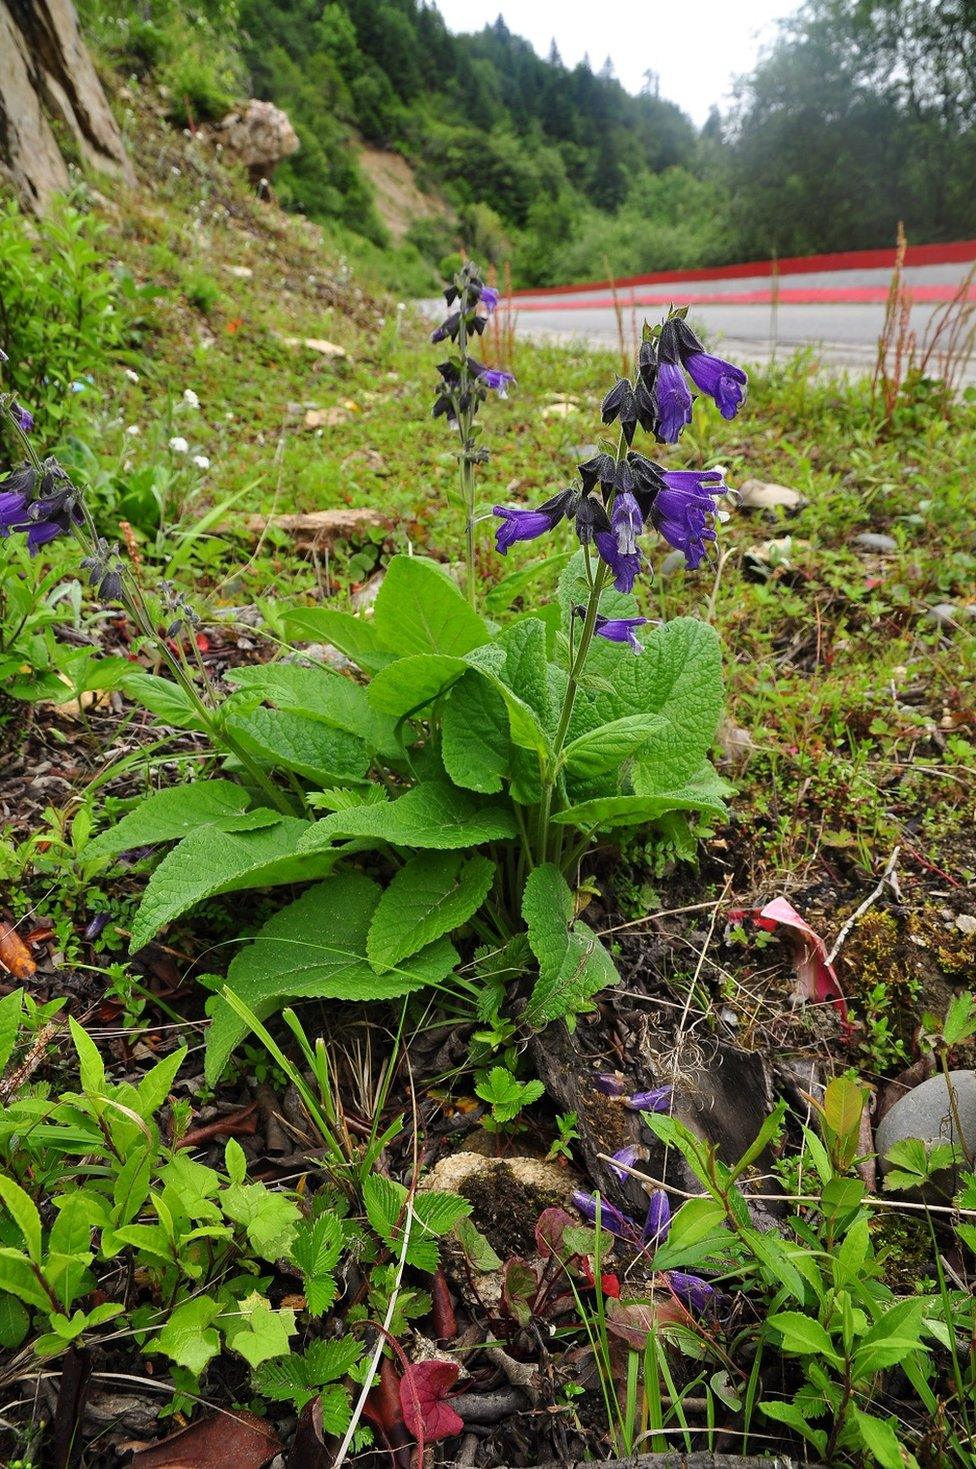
x=656, y=1100
x=621, y=630
x=658, y=1221
x=720, y=380
x=691, y=1289
x=610, y=1085
x=673, y=401
x=628, y=1156
x=610, y=1218
x=519, y=525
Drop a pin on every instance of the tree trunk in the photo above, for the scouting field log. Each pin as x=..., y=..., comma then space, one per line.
x=47, y=84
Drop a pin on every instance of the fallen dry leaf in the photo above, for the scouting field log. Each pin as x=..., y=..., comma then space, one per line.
x=221, y=1441
x=423, y=1400
x=15, y=956
x=815, y=977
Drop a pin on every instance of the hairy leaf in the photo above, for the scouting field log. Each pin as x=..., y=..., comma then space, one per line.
x=301, y=743
x=419, y=609
x=573, y=964
x=432, y=815
x=431, y=895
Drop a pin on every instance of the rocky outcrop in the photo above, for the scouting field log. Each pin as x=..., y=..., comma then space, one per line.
x=258, y=135
x=48, y=82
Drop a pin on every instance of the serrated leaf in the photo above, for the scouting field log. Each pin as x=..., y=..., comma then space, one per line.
x=258, y=1332
x=419, y=609
x=270, y=1219
x=316, y=948
x=605, y=747
x=320, y=693
x=168, y=816
x=354, y=636
x=298, y=742
x=165, y=699
x=410, y=684
x=188, y=1337
x=573, y=964
x=704, y=794
x=475, y=742
x=432, y=894
x=432, y=815
x=802, y=1334
x=210, y=862
x=316, y=1251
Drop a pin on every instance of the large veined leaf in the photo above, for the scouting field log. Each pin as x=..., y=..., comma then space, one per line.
x=321, y=694
x=170, y=704
x=605, y=747
x=411, y=683
x=167, y=816
x=431, y=895
x=354, y=636
x=475, y=743
x=432, y=815
x=419, y=609
x=316, y=948
x=525, y=671
x=297, y=742
x=678, y=676
x=209, y=862
x=573, y=964
x=705, y=793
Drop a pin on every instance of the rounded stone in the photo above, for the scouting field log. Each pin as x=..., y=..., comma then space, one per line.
x=926, y=1113
x=870, y=540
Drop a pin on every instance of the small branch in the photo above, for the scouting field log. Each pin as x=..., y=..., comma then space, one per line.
x=887, y=879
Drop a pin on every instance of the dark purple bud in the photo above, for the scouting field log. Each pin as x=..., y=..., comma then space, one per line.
x=591, y=519
x=696, y=1293
x=620, y=403
x=601, y=469
x=658, y=1221
x=610, y=1217
x=645, y=404
x=621, y=630
x=448, y=328
x=658, y=1099
x=647, y=361
x=96, y=927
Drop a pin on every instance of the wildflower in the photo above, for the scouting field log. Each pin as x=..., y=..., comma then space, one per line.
x=44, y=516
x=190, y=397
x=22, y=417
x=525, y=525
x=621, y=403
x=720, y=380
x=611, y=1217
x=489, y=298
x=618, y=546
x=621, y=630
x=448, y=328
x=658, y=1099
x=672, y=399
x=600, y=470
x=628, y=1157
x=178, y=444
x=681, y=512
x=658, y=1220
x=591, y=519
x=691, y=1289
x=609, y=1084
x=494, y=377
x=201, y=461
x=105, y=570
x=133, y=430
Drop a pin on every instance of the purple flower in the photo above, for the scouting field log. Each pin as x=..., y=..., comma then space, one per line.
x=494, y=377
x=611, y=1218
x=525, y=525
x=51, y=514
x=658, y=1221
x=609, y=1085
x=672, y=397
x=618, y=546
x=620, y=630
x=489, y=298
x=628, y=1156
x=691, y=1289
x=23, y=417
x=656, y=1100
x=681, y=513
x=13, y=511
x=720, y=380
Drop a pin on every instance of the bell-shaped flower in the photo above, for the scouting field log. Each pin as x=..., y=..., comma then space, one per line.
x=526, y=525
x=621, y=630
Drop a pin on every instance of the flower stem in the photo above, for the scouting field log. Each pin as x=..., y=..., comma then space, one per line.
x=465, y=467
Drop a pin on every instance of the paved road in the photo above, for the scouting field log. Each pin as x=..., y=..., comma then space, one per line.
x=837, y=313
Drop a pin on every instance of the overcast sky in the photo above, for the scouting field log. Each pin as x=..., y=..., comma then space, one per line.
x=696, y=47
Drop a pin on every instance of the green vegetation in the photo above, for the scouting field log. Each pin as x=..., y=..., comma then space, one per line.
x=862, y=115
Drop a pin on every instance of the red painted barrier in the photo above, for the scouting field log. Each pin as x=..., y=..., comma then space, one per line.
x=816, y=296
x=958, y=252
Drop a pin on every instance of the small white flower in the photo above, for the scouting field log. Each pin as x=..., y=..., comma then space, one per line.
x=132, y=376
x=189, y=396
x=201, y=461
x=133, y=430
x=178, y=444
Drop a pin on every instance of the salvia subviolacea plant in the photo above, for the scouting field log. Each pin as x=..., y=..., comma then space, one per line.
x=694, y=1292
x=465, y=383
x=617, y=497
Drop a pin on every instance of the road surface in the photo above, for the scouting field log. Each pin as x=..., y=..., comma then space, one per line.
x=838, y=314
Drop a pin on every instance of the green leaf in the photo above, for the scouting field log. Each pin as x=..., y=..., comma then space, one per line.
x=507, y=591
x=434, y=1214
x=210, y=862
x=475, y=743
x=169, y=815
x=410, y=684
x=316, y=947
x=167, y=700
x=354, y=636
x=772, y=1253
x=789, y=1414
x=91, y=1065
x=419, y=609
x=17, y=1276
x=25, y=1215
x=802, y=1334
x=157, y=1083
x=320, y=693
x=843, y=1104
x=301, y=743
x=573, y=964
x=605, y=747
x=269, y=1218
x=130, y=1189
x=431, y=895
x=432, y=815
x=14, y=1322
x=475, y=1246
x=316, y=1252
x=188, y=1338
x=256, y=1331
x=704, y=793
x=526, y=670
x=11, y=1010
x=881, y=1441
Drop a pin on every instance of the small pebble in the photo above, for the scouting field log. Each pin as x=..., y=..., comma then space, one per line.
x=869, y=540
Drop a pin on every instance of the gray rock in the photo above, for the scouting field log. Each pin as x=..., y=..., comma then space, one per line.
x=926, y=1113
x=257, y=134
x=947, y=614
x=870, y=540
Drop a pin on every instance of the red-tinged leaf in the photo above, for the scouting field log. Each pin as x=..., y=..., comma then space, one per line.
x=442, y=1309
x=609, y=1284
x=423, y=1398
x=519, y=1285
x=382, y=1406
x=236, y=1440
x=815, y=977
x=634, y=1321
x=15, y=956
x=550, y=1227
